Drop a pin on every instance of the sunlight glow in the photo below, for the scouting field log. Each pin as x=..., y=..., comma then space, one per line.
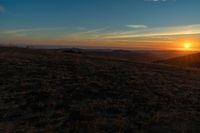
x=187, y=46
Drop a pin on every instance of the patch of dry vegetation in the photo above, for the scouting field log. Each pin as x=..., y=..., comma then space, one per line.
x=50, y=91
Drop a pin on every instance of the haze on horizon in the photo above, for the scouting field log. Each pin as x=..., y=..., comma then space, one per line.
x=137, y=24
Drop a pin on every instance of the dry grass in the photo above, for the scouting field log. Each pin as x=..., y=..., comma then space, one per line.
x=50, y=91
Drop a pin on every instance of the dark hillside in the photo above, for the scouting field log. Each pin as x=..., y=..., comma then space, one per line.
x=52, y=91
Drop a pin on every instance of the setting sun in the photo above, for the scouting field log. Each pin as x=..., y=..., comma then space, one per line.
x=187, y=46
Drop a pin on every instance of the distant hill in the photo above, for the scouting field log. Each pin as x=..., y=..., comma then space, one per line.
x=131, y=55
x=192, y=60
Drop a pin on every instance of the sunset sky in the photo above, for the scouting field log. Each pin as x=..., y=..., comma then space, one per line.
x=136, y=24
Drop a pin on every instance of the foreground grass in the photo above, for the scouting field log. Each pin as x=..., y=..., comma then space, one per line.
x=50, y=91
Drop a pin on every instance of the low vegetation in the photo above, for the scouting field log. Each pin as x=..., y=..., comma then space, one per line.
x=54, y=91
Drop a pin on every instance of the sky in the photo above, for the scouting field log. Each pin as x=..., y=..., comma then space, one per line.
x=129, y=24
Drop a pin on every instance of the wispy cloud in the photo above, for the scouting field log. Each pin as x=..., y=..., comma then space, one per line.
x=81, y=32
x=86, y=34
x=156, y=32
x=137, y=26
x=2, y=9
x=91, y=31
x=20, y=31
x=103, y=36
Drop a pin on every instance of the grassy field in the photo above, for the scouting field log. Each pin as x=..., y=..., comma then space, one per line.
x=53, y=91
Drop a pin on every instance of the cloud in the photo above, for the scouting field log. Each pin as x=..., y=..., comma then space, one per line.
x=2, y=9
x=92, y=31
x=19, y=31
x=137, y=26
x=136, y=33
x=86, y=34
x=156, y=32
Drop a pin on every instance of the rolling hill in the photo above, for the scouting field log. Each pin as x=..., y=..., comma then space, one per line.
x=192, y=61
x=53, y=91
x=131, y=55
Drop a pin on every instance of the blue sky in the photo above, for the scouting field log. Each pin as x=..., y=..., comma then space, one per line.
x=99, y=22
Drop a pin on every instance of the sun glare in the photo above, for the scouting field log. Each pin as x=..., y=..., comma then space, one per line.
x=187, y=46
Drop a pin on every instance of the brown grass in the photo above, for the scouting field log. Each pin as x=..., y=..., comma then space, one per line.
x=51, y=91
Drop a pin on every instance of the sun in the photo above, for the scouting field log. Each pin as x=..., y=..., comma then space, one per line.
x=187, y=46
